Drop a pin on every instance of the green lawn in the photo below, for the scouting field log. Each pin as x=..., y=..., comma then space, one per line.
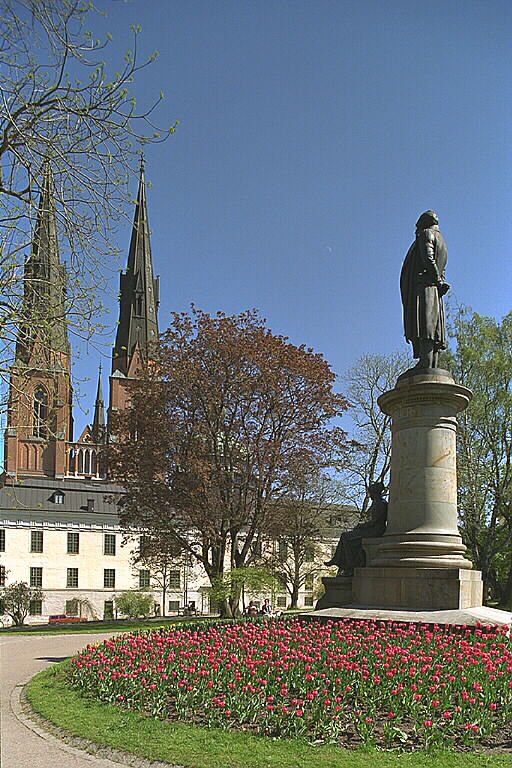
x=196, y=747
x=91, y=628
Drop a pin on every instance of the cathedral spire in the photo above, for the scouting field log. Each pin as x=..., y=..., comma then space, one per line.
x=139, y=292
x=43, y=310
x=98, y=424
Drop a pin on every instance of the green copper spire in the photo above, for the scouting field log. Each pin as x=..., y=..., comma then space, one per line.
x=43, y=313
x=139, y=291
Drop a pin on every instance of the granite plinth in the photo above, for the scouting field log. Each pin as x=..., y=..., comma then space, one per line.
x=417, y=588
x=338, y=591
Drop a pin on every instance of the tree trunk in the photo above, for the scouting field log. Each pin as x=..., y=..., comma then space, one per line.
x=225, y=609
x=234, y=600
x=296, y=581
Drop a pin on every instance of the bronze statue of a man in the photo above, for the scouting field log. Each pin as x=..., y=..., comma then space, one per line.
x=422, y=287
x=349, y=553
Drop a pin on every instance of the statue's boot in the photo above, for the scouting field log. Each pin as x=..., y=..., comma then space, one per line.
x=426, y=354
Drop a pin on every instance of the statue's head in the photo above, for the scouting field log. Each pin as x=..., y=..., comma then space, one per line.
x=427, y=219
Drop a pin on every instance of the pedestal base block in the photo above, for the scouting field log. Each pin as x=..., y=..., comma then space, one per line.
x=338, y=591
x=433, y=589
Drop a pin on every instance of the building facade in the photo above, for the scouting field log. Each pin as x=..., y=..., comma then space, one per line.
x=59, y=527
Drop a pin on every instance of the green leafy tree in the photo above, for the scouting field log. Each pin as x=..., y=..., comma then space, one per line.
x=134, y=603
x=17, y=598
x=481, y=359
x=250, y=582
x=62, y=104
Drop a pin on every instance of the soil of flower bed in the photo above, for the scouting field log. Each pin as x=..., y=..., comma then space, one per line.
x=500, y=741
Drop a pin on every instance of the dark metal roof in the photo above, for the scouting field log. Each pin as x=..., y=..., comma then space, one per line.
x=34, y=496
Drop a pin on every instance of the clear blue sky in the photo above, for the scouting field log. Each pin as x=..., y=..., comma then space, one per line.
x=311, y=136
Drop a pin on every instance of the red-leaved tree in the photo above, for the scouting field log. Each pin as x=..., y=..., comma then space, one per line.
x=222, y=422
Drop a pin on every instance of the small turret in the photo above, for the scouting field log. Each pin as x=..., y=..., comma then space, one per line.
x=99, y=431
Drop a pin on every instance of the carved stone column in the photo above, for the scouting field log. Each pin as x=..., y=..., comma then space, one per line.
x=422, y=516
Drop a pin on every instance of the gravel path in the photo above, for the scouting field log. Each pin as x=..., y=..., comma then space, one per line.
x=22, y=743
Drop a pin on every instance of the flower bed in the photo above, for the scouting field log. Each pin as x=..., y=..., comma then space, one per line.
x=343, y=681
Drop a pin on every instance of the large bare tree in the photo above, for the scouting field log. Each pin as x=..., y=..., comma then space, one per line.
x=64, y=107
x=369, y=457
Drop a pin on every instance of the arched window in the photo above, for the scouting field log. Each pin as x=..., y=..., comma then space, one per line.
x=40, y=428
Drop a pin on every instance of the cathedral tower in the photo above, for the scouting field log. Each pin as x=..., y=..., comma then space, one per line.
x=39, y=420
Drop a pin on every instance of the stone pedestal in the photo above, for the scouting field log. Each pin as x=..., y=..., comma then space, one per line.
x=419, y=564
x=433, y=589
x=338, y=591
x=422, y=517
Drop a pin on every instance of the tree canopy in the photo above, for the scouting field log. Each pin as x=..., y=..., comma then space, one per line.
x=222, y=423
x=481, y=359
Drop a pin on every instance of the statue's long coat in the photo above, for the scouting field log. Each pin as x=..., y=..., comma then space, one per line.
x=422, y=271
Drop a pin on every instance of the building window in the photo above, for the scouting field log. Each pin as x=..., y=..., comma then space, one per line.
x=36, y=577
x=143, y=545
x=72, y=607
x=174, y=580
x=282, y=580
x=282, y=550
x=308, y=601
x=309, y=553
x=308, y=582
x=73, y=543
x=57, y=497
x=72, y=577
x=144, y=579
x=174, y=606
x=2, y=575
x=36, y=608
x=40, y=413
x=281, y=601
x=108, y=609
x=109, y=544
x=2, y=540
x=109, y=578
x=36, y=541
